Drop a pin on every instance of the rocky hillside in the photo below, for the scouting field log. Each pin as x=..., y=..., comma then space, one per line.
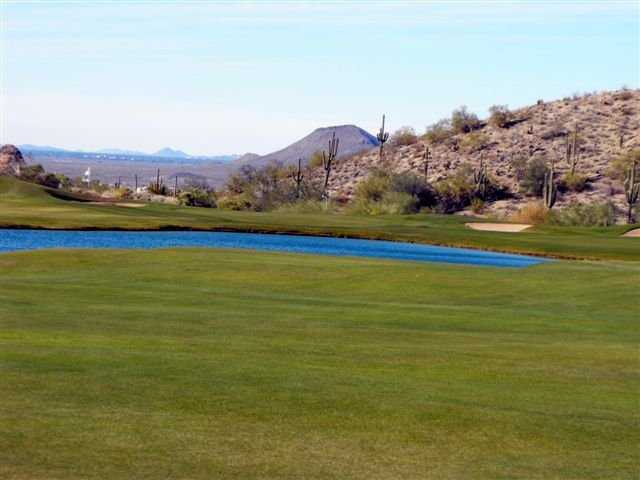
x=608, y=123
x=352, y=140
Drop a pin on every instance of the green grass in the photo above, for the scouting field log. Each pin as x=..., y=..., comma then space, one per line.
x=29, y=205
x=217, y=364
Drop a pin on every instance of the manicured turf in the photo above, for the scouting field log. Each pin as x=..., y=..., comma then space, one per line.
x=28, y=205
x=221, y=364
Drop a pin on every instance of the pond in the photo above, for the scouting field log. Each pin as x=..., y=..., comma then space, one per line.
x=14, y=240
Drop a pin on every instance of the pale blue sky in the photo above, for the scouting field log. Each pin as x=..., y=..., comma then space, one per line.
x=231, y=77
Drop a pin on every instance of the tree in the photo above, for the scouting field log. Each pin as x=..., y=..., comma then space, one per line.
x=404, y=136
x=463, y=121
x=500, y=116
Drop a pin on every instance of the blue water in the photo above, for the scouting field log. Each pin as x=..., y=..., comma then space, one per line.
x=13, y=240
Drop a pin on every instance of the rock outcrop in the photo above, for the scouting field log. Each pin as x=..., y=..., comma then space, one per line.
x=11, y=160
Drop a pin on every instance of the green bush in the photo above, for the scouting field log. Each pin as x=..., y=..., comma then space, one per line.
x=500, y=116
x=588, y=215
x=404, y=136
x=439, y=132
x=373, y=188
x=573, y=182
x=391, y=203
x=237, y=202
x=412, y=184
x=49, y=180
x=463, y=121
x=197, y=197
x=532, y=182
x=620, y=166
x=477, y=205
x=453, y=194
x=385, y=193
x=474, y=141
x=316, y=159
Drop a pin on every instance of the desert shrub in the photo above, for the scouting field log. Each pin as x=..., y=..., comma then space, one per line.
x=619, y=166
x=438, y=132
x=532, y=181
x=373, y=188
x=625, y=94
x=519, y=165
x=601, y=214
x=404, y=136
x=474, y=141
x=534, y=213
x=413, y=185
x=316, y=159
x=391, y=203
x=30, y=173
x=455, y=192
x=121, y=193
x=477, y=205
x=308, y=206
x=37, y=174
x=48, y=180
x=387, y=193
x=573, y=182
x=500, y=116
x=265, y=188
x=197, y=197
x=65, y=182
x=458, y=191
x=158, y=188
x=241, y=180
x=463, y=121
x=237, y=202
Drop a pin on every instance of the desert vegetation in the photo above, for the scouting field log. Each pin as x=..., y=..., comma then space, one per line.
x=460, y=164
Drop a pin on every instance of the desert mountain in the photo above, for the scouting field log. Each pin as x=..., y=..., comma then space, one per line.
x=170, y=152
x=352, y=140
x=608, y=123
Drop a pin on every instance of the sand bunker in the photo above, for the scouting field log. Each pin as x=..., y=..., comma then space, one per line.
x=499, y=227
x=132, y=205
x=633, y=233
x=118, y=204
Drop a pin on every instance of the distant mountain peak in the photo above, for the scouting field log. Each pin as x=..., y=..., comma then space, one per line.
x=170, y=152
x=353, y=139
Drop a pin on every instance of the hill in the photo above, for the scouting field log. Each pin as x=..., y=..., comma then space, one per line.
x=170, y=152
x=353, y=140
x=608, y=122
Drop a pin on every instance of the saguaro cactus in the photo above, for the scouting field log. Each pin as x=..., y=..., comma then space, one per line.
x=382, y=137
x=426, y=157
x=298, y=176
x=327, y=161
x=480, y=179
x=549, y=190
x=572, y=150
x=631, y=189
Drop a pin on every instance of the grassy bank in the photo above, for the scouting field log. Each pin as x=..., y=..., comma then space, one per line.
x=26, y=205
x=218, y=364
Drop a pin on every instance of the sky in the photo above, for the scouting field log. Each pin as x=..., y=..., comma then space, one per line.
x=220, y=77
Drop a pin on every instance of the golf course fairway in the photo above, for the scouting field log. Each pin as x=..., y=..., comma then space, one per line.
x=201, y=363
